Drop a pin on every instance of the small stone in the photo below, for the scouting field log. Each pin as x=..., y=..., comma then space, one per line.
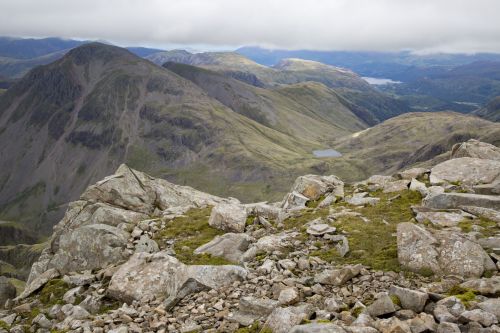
x=289, y=296
x=320, y=229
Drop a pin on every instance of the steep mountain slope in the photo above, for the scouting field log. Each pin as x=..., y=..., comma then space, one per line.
x=311, y=111
x=69, y=123
x=409, y=139
x=490, y=111
x=290, y=71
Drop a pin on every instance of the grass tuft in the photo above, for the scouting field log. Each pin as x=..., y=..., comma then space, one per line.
x=374, y=243
x=190, y=232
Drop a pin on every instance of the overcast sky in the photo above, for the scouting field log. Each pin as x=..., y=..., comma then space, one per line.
x=419, y=25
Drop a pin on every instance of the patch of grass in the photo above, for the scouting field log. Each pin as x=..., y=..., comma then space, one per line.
x=4, y=325
x=488, y=227
x=250, y=220
x=18, y=284
x=307, y=215
x=395, y=299
x=357, y=311
x=465, y=295
x=374, y=243
x=190, y=232
x=426, y=272
x=53, y=292
x=488, y=274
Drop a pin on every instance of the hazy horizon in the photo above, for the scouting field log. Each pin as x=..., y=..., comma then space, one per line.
x=358, y=25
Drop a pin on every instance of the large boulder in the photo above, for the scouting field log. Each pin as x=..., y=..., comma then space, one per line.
x=90, y=247
x=466, y=170
x=456, y=200
x=282, y=320
x=312, y=187
x=338, y=277
x=410, y=299
x=230, y=246
x=7, y=290
x=383, y=305
x=441, y=252
x=151, y=276
x=484, y=286
x=92, y=234
x=228, y=217
x=137, y=191
x=488, y=213
x=476, y=149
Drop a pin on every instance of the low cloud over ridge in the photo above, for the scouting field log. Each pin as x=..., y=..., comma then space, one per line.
x=384, y=25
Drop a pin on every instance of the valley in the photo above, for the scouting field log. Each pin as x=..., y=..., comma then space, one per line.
x=270, y=191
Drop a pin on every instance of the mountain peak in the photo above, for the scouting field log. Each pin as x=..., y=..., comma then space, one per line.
x=96, y=50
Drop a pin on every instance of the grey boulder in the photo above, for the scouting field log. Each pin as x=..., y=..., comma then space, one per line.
x=228, y=217
x=441, y=252
x=338, y=277
x=466, y=170
x=485, y=286
x=476, y=149
x=410, y=299
x=456, y=200
x=149, y=276
x=230, y=246
x=282, y=320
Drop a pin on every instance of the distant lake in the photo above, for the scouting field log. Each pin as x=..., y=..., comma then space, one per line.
x=378, y=81
x=326, y=153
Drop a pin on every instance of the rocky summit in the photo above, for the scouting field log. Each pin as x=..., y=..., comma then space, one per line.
x=415, y=252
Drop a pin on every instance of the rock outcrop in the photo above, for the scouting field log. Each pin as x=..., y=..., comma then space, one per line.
x=441, y=252
x=150, y=276
x=139, y=254
x=476, y=149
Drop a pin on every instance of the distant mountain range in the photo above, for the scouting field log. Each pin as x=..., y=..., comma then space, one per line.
x=368, y=103
x=19, y=55
x=433, y=82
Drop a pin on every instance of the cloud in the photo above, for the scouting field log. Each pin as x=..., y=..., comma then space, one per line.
x=419, y=25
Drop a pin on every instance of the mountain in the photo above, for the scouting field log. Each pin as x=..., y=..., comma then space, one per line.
x=468, y=86
x=69, y=123
x=29, y=48
x=16, y=68
x=398, y=66
x=308, y=110
x=490, y=111
x=409, y=140
x=19, y=55
x=376, y=105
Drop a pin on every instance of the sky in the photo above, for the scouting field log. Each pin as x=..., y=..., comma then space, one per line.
x=422, y=26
